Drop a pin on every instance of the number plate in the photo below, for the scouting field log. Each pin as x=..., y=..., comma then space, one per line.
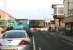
x=8, y=49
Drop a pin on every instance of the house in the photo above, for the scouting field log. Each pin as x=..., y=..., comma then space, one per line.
x=5, y=19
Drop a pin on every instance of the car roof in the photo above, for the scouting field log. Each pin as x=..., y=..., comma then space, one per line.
x=16, y=31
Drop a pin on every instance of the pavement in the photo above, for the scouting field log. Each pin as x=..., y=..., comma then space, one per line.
x=64, y=38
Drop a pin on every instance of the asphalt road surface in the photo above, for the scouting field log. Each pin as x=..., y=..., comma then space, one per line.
x=43, y=41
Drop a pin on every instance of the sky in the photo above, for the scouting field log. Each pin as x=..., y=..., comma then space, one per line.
x=29, y=9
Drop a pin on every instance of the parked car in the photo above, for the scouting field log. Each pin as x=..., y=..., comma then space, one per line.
x=15, y=40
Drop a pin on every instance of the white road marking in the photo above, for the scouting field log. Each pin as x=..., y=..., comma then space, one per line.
x=34, y=47
x=39, y=48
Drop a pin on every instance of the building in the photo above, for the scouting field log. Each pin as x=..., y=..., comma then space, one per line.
x=58, y=16
x=5, y=19
x=68, y=13
x=5, y=16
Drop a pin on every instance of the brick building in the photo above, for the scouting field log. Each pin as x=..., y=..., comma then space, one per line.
x=68, y=13
x=58, y=16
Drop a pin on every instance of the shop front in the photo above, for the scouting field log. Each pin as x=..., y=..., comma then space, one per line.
x=69, y=26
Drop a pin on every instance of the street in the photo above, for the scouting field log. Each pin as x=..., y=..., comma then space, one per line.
x=36, y=24
x=44, y=41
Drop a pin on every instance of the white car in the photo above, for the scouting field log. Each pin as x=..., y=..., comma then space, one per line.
x=15, y=40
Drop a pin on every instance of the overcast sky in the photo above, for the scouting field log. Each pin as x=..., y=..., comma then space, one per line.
x=31, y=9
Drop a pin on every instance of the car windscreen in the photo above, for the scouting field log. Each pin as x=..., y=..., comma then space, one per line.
x=14, y=35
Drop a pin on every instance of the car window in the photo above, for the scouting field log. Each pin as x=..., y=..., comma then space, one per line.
x=14, y=35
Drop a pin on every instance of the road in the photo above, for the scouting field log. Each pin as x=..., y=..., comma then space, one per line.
x=44, y=41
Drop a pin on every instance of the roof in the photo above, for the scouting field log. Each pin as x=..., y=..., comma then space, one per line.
x=5, y=13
